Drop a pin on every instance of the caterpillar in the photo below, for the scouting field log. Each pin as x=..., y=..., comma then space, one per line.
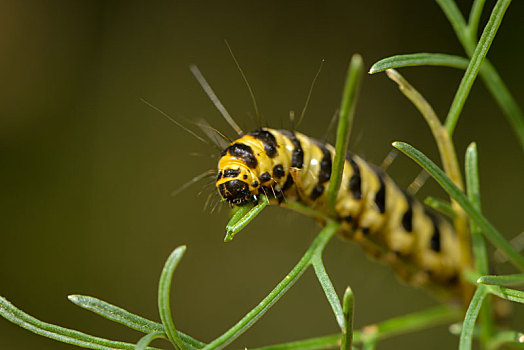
x=391, y=225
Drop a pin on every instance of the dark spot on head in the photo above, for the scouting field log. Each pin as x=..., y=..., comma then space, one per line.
x=348, y=219
x=244, y=177
x=278, y=171
x=244, y=153
x=231, y=172
x=264, y=177
x=255, y=184
x=365, y=230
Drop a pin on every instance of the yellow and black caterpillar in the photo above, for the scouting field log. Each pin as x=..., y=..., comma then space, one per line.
x=373, y=210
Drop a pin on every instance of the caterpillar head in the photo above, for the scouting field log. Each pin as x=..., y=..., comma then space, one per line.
x=236, y=181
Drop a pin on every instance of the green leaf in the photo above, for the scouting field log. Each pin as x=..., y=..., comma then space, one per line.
x=476, y=61
x=164, y=289
x=489, y=74
x=243, y=217
x=503, y=279
x=440, y=205
x=419, y=59
x=507, y=293
x=474, y=18
x=345, y=121
x=147, y=339
x=64, y=335
x=317, y=343
x=487, y=228
x=479, y=246
x=117, y=314
x=471, y=318
x=329, y=290
x=347, y=332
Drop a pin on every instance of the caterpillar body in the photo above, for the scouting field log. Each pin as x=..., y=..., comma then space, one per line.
x=391, y=225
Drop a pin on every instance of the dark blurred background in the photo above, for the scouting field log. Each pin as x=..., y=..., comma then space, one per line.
x=87, y=168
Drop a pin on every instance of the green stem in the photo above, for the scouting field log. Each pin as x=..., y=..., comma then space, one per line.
x=502, y=280
x=317, y=343
x=441, y=206
x=479, y=246
x=507, y=293
x=64, y=335
x=489, y=74
x=474, y=65
x=329, y=290
x=128, y=319
x=474, y=18
x=347, y=332
x=466, y=336
x=164, y=291
x=147, y=339
x=243, y=217
x=419, y=59
x=252, y=316
x=116, y=314
x=345, y=121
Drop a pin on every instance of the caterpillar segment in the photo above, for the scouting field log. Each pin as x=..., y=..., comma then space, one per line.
x=391, y=225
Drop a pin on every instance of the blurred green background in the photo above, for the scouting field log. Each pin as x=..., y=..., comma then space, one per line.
x=87, y=168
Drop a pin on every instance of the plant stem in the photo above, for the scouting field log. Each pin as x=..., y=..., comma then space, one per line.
x=328, y=289
x=489, y=74
x=502, y=280
x=479, y=246
x=466, y=336
x=347, y=332
x=147, y=339
x=243, y=217
x=164, y=289
x=64, y=335
x=474, y=65
x=448, y=157
x=419, y=59
x=474, y=18
x=345, y=121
